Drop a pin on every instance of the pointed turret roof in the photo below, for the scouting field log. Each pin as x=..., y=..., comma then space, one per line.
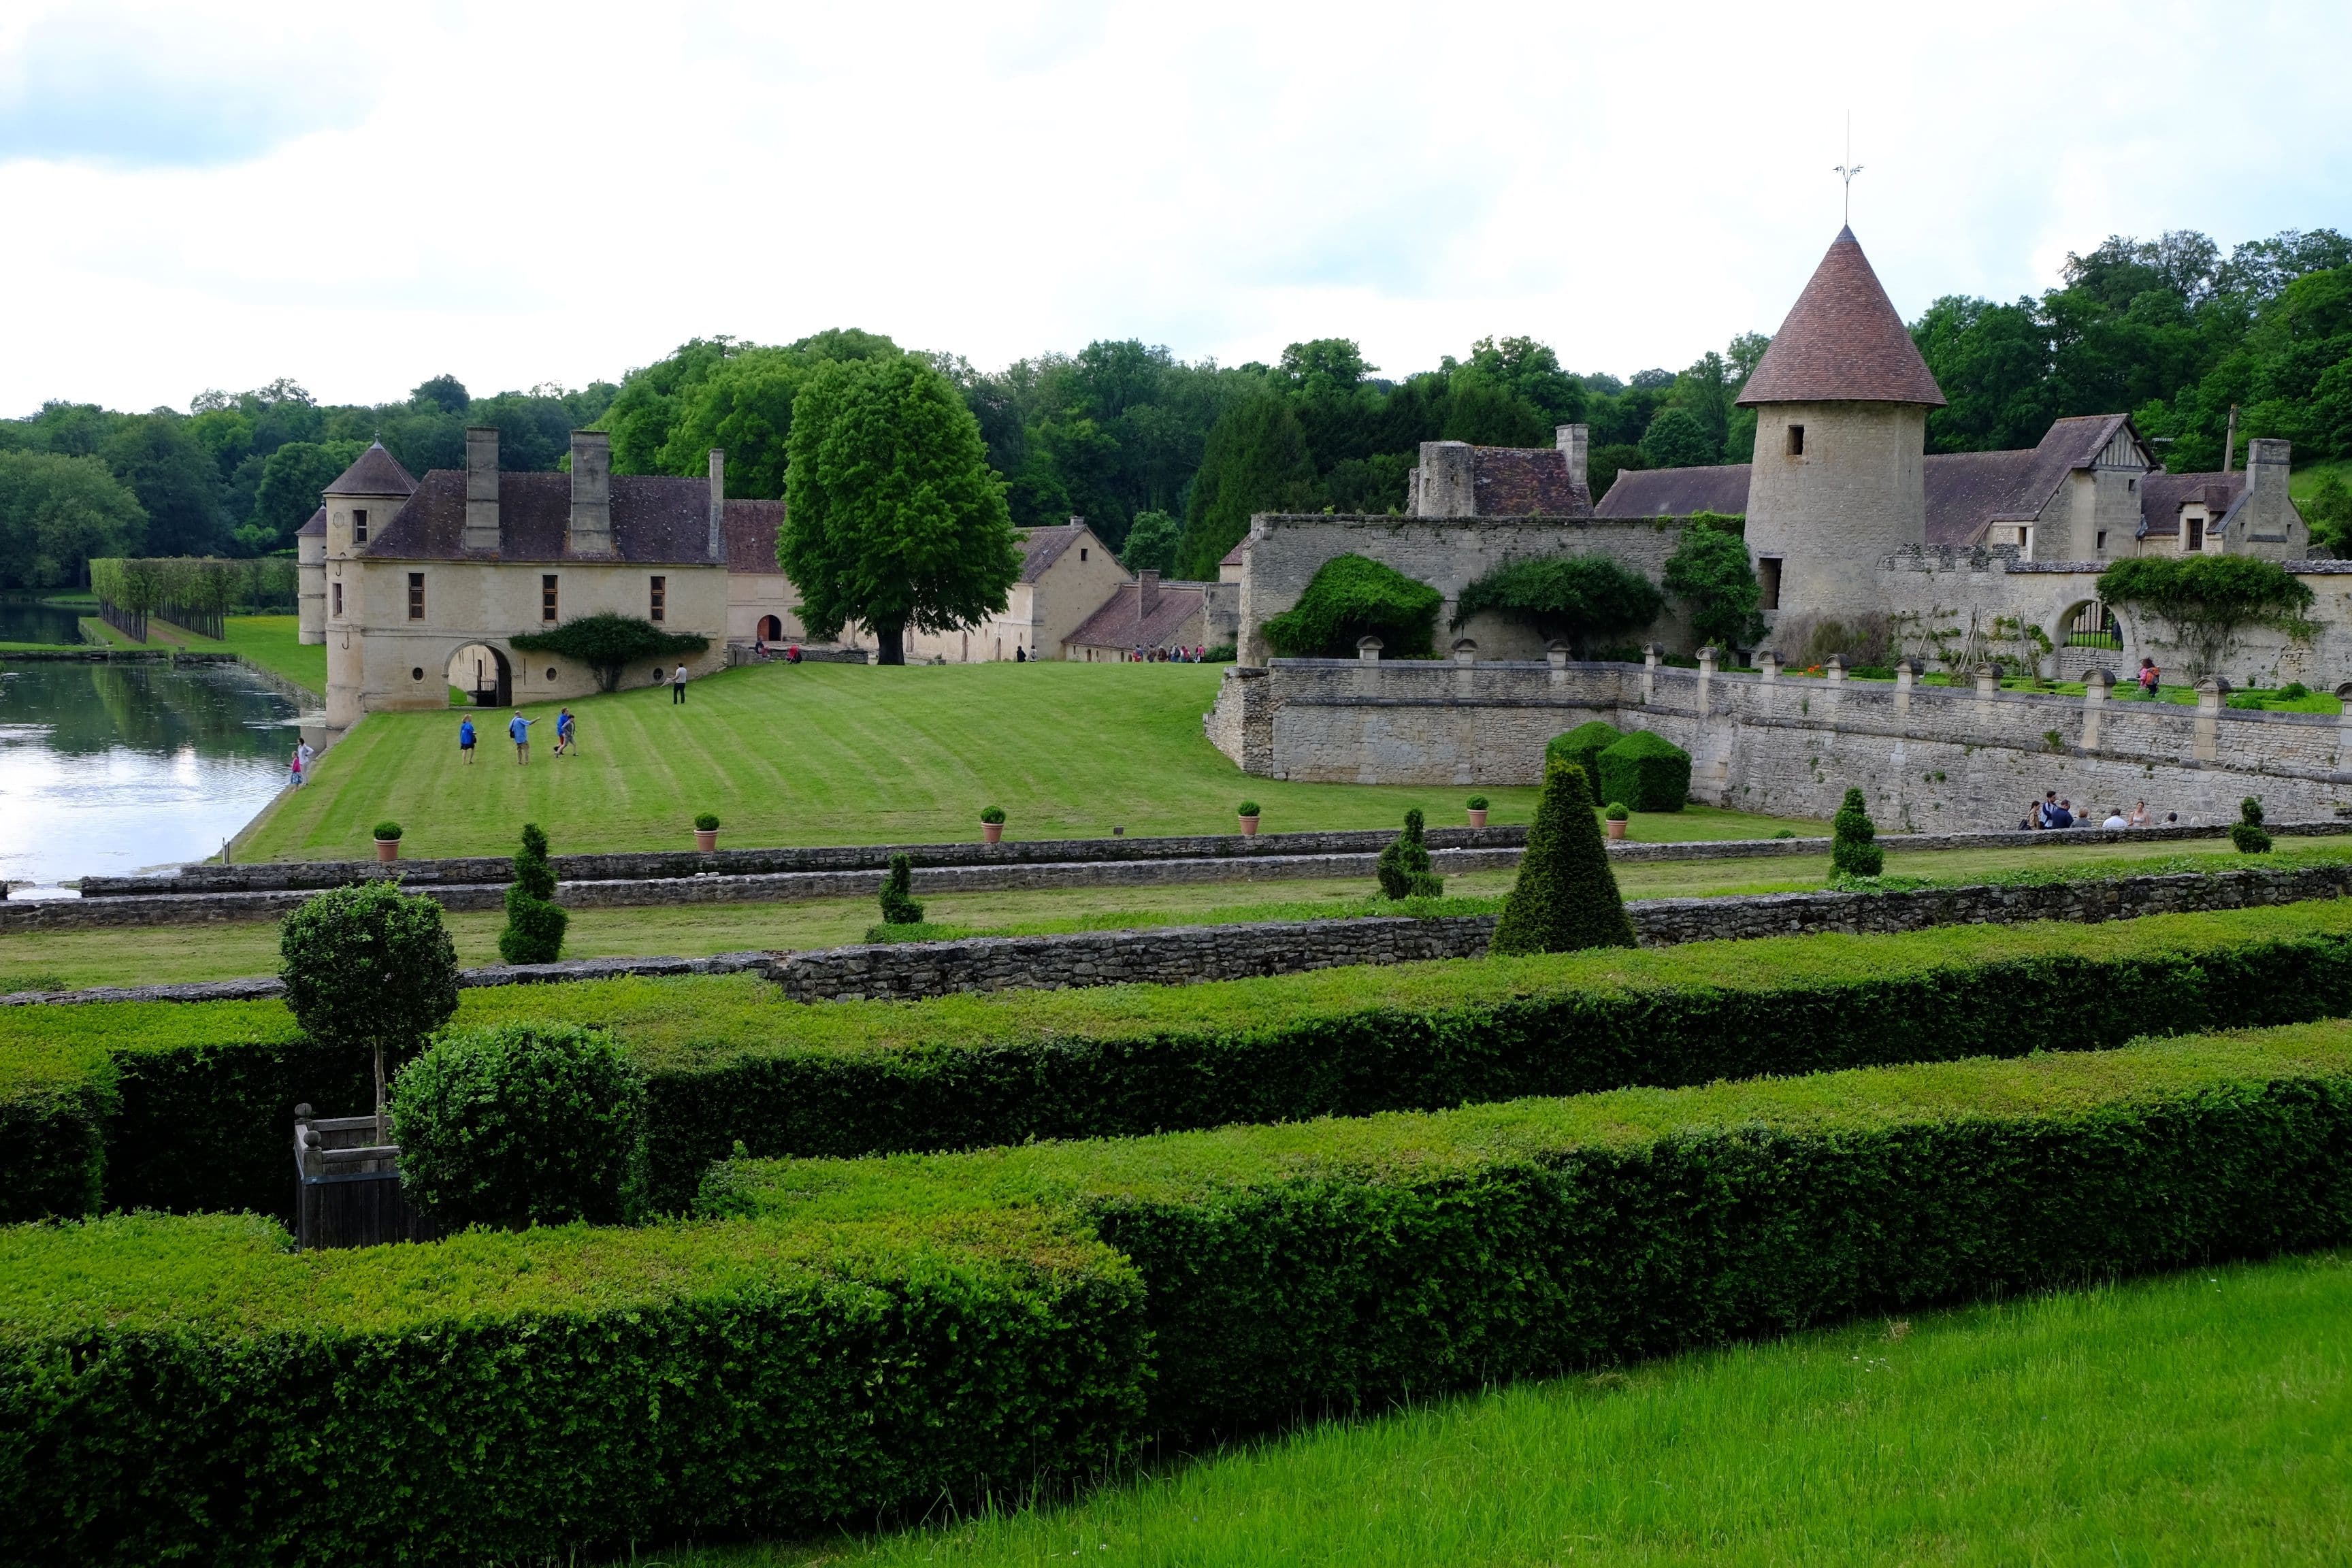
x=1843, y=342
x=377, y=473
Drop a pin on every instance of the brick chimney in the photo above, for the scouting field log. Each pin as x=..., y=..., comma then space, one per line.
x=1575, y=445
x=717, y=504
x=482, y=488
x=1147, y=593
x=591, y=532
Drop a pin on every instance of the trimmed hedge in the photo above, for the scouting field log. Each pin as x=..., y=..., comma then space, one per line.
x=201, y=1114
x=1647, y=772
x=1344, y=1263
x=1583, y=746
x=192, y=1390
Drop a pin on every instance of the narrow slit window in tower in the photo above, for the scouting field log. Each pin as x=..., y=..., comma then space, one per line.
x=339, y=598
x=359, y=526
x=1796, y=440
x=1768, y=573
x=660, y=599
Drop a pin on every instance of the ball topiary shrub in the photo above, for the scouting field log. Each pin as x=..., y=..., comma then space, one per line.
x=522, y=1124
x=1647, y=772
x=1852, y=852
x=369, y=969
x=535, y=922
x=1583, y=746
x=2247, y=832
x=706, y=822
x=898, y=905
x=1565, y=897
x=1403, y=869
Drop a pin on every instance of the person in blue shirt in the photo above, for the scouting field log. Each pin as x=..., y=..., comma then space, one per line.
x=466, y=738
x=564, y=738
x=519, y=728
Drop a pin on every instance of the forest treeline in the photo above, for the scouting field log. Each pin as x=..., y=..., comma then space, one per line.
x=1168, y=458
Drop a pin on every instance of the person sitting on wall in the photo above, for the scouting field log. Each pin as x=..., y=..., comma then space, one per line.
x=2115, y=819
x=759, y=647
x=2032, y=819
x=2046, y=814
x=2140, y=814
x=2065, y=817
x=792, y=653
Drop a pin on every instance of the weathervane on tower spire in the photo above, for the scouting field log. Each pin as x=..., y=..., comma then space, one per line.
x=1849, y=169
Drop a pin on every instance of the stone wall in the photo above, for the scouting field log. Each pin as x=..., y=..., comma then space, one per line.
x=1175, y=955
x=1283, y=552
x=1930, y=759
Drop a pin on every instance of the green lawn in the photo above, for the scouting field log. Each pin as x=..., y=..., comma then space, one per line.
x=44, y=960
x=830, y=754
x=2203, y=1417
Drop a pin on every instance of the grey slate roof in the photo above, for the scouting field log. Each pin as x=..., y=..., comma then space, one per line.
x=314, y=529
x=1115, y=625
x=377, y=473
x=1676, y=492
x=2162, y=496
x=752, y=527
x=1526, y=482
x=1044, y=546
x=1843, y=342
x=656, y=520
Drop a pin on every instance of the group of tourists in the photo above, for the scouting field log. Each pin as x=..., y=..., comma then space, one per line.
x=763, y=653
x=2051, y=812
x=1174, y=654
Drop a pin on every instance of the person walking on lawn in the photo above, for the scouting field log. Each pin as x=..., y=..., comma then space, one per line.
x=565, y=739
x=466, y=738
x=678, y=687
x=519, y=728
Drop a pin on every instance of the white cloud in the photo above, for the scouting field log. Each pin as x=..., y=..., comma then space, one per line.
x=525, y=192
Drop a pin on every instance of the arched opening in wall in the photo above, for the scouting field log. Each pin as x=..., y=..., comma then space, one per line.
x=772, y=628
x=482, y=676
x=2092, y=624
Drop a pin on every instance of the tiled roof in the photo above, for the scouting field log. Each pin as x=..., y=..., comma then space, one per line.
x=2161, y=497
x=752, y=527
x=1233, y=557
x=377, y=473
x=1843, y=342
x=656, y=518
x=1676, y=492
x=1526, y=482
x=314, y=529
x=1044, y=546
x=1965, y=490
x=1115, y=625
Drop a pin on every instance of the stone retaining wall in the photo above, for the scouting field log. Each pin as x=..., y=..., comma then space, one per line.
x=1175, y=955
x=311, y=875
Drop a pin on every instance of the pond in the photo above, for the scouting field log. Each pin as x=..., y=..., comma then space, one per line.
x=118, y=768
x=22, y=620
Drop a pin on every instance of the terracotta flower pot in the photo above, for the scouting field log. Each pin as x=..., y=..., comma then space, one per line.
x=1616, y=830
x=1249, y=826
x=1478, y=816
x=991, y=832
x=387, y=850
x=706, y=840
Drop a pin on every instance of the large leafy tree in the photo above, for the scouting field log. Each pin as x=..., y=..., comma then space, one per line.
x=176, y=481
x=1677, y=439
x=893, y=517
x=1256, y=461
x=291, y=479
x=55, y=513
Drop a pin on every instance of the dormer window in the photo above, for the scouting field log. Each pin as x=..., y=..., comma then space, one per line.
x=359, y=526
x=1796, y=440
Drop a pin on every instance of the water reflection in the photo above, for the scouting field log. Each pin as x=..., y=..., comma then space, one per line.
x=24, y=621
x=112, y=768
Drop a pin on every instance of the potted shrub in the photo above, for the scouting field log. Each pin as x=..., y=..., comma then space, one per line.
x=387, y=843
x=1477, y=811
x=1248, y=813
x=1617, y=817
x=706, y=832
x=991, y=825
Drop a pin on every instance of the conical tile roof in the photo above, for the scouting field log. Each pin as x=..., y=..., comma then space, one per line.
x=1843, y=342
x=377, y=473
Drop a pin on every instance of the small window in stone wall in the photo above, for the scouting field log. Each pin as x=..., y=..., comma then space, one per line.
x=660, y=597
x=359, y=526
x=339, y=598
x=1768, y=574
x=547, y=598
x=1082, y=553
x=1796, y=440
x=416, y=595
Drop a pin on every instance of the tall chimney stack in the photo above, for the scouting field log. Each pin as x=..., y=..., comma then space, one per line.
x=717, y=504
x=591, y=532
x=482, y=488
x=1575, y=444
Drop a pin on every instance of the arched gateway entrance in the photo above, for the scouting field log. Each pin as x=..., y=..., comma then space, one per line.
x=482, y=673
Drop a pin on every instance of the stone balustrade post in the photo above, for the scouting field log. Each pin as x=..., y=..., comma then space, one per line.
x=1835, y=668
x=1708, y=658
x=2095, y=687
x=2208, y=743
x=1988, y=682
x=1651, y=654
x=1906, y=675
x=1466, y=650
x=1767, y=662
x=1369, y=649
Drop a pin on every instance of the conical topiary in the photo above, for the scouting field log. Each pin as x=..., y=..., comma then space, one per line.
x=1852, y=851
x=1404, y=869
x=898, y=905
x=1566, y=897
x=1583, y=746
x=535, y=922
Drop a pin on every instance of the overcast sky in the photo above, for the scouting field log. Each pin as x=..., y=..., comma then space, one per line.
x=360, y=197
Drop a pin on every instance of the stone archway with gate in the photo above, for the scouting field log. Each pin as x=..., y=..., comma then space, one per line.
x=484, y=673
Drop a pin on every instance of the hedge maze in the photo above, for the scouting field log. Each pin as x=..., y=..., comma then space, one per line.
x=924, y=1254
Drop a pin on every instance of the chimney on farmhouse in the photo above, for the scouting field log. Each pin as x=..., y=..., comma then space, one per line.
x=1575, y=445
x=1146, y=596
x=717, y=504
x=482, y=488
x=2266, y=520
x=591, y=532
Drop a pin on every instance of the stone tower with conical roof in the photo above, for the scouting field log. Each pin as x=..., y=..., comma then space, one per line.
x=364, y=497
x=1840, y=399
